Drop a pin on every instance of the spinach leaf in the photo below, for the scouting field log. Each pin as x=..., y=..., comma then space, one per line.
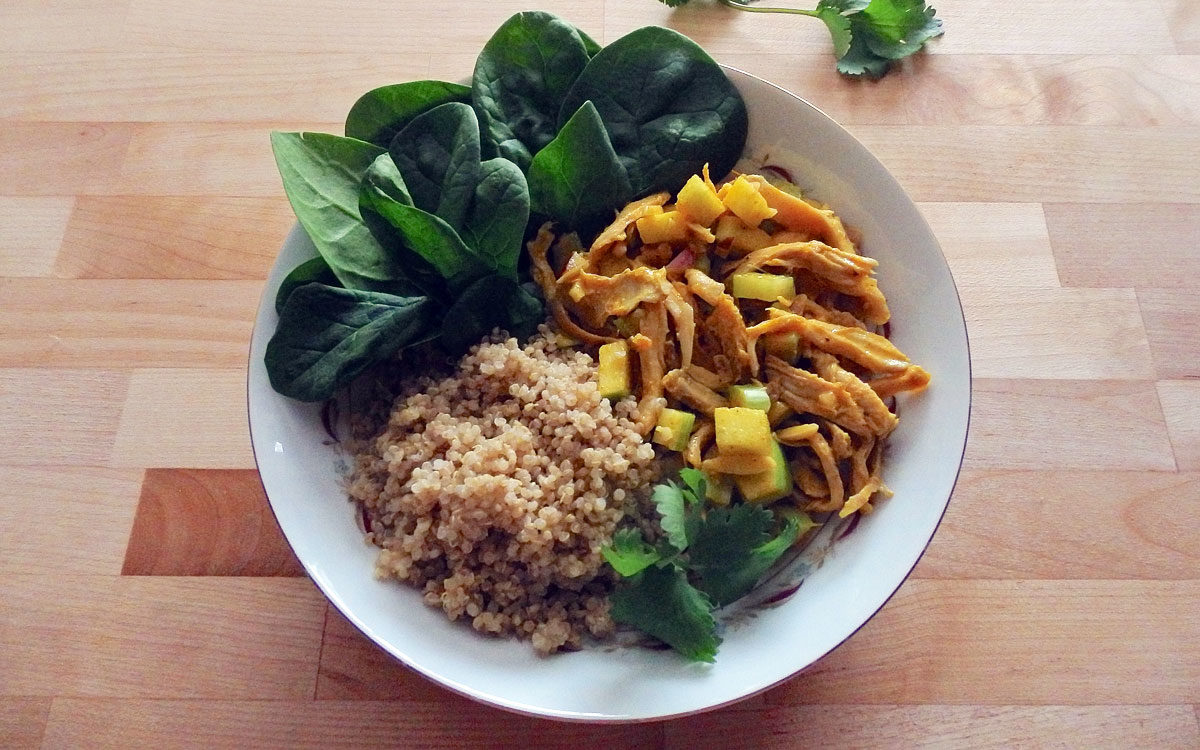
x=521, y=77
x=667, y=105
x=381, y=113
x=589, y=44
x=495, y=225
x=577, y=177
x=314, y=269
x=491, y=302
x=327, y=336
x=440, y=249
x=321, y=176
x=438, y=155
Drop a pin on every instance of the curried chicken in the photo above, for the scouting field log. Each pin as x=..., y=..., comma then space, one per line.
x=752, y=331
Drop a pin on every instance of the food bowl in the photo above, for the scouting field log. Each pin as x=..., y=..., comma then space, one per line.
x=846, y=579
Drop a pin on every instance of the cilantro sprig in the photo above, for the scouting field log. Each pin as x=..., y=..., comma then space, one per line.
x=706, y=560
x=868, y=35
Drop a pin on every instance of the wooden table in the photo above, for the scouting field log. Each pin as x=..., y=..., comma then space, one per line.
x=148, y=599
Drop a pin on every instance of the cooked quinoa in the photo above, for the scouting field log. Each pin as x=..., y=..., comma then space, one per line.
x=494, y=489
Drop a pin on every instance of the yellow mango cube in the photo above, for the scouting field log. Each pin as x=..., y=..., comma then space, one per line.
x=613, y=370
x=732, y=232
x=763, y=286
x=742, y=430
x=699, y=201
x=743, y=199
x=669, y=226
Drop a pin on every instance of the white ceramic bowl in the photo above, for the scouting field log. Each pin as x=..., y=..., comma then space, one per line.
x=300, y=471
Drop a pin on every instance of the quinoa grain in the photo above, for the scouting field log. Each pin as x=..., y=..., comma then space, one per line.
x=494, y=489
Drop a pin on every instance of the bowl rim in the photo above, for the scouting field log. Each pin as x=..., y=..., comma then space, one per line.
x=514, y=707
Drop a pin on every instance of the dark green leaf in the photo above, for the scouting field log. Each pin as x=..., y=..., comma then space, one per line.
x=384, y=178
x=327, y=336
x=313, y=269
x=495, y=225
x=381, y=113
x=577, y=177
x=425, y=234
x=322, y=174
x=629, y=554
x=589, y=45
x=438, y=155
x=667, y=106
x=491, y=302
x=859, y=59
x=839, y=25
x=731, y=550
x=897, y=28
x=661, y=602
x=521, y=77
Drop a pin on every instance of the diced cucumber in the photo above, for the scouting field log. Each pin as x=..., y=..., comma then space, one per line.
x=786, y=345
x=750, y=396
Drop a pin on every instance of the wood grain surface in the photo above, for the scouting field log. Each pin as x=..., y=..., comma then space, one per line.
x=148, y=599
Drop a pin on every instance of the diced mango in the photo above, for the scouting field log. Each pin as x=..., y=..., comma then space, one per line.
x=669, y=226
x=750, y=396
x=744, y=200
x=736, y=463
x=613, y=370
x=770, y=485
x=764, y=286
x=742, y=430
x=699, y=201
x=733, y=232
x=674, y=428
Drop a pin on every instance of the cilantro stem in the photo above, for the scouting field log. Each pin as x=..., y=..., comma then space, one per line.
x=744, y=5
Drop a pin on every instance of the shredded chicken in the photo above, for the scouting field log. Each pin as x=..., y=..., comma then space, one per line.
x=842, y=271
x=691, y=392
x=665, y=285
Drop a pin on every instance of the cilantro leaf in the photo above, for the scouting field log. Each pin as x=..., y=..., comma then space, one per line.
x=695, y=481
x=898, y=28
x=673, y=3
x=629, y=554
x=731, y=550
x=661, y=602
x=867, y=34
x=839, y=27
x=834, y=13
x=679, y=509
x=859, y=59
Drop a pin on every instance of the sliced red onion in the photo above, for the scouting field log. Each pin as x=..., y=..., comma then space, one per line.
x=781, y=595
x=683, y=261
x=785, y=174
x=329, y=417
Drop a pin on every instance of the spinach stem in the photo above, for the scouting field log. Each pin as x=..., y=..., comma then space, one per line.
x=744, y=5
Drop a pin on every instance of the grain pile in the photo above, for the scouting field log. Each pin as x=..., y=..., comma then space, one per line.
x=494, y=489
